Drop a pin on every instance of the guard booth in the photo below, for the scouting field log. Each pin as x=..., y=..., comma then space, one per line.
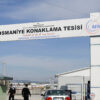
x=4, y=83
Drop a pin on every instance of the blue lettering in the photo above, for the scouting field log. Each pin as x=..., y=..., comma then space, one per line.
x=95, y=26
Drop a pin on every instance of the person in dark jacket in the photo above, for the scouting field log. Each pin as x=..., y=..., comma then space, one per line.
x=26, y=92
x=11, y=92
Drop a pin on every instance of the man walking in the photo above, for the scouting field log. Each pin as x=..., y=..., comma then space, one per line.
x=11, y=92
x=26, y=92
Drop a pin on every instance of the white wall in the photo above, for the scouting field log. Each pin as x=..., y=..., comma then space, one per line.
x=75, y=77
x=63, y=80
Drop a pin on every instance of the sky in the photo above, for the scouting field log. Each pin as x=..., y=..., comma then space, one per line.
x=39, y=60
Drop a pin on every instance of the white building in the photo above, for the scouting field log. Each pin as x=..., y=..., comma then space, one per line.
x=78, y=81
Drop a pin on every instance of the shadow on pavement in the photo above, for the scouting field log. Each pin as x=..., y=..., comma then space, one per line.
x=18, y=99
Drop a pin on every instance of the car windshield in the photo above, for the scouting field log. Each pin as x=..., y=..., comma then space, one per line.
x=56, y=92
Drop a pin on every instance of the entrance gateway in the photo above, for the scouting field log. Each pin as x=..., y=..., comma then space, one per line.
x=62, y=29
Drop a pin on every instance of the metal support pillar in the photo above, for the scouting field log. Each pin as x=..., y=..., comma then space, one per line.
x=95, y=67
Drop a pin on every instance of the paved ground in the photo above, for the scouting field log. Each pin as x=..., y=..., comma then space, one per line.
x=33, y=97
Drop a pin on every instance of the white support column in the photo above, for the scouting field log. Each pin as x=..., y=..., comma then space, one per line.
x=95, y=66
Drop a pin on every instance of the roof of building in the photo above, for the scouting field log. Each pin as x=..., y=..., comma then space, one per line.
x=72, y=71
x=3, y=77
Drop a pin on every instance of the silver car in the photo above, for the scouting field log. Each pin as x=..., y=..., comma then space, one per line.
x=56, y=95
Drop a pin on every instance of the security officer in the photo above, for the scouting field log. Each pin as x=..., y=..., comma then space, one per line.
x=26, y=92
x=11, y=92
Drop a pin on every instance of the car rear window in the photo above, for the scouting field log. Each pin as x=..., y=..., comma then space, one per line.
x=57, y=92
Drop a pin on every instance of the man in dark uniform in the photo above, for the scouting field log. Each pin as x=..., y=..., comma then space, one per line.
x=26, y=92
x=11, y=92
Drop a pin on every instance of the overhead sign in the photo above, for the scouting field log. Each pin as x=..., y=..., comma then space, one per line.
x=51, y=29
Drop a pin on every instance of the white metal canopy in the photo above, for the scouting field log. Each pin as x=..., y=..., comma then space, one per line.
x=60, y=29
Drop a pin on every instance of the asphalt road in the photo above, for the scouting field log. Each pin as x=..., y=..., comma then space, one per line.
x=33, y=97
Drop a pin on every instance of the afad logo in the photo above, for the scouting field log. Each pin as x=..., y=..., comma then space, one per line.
x=92, y=26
